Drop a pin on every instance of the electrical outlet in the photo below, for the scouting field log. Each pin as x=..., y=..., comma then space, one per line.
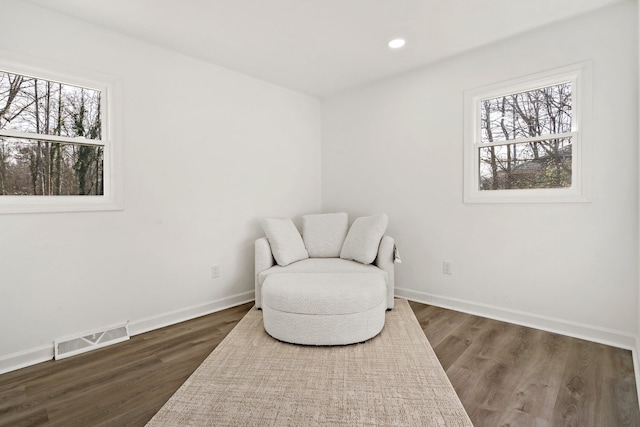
x=215, y=271
x=447, y=267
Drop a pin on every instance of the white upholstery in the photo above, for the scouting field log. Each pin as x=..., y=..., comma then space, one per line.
x=332, y=329
x=383, y=262
x=285, y=240
x=330, y=293
x=266, y=265
x=324, y=234
x=323, y=265
x=363, y=239
x=324, y=309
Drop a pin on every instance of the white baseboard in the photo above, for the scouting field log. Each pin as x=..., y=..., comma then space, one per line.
x=22, y=359
x=573, y=329
x=171, y=318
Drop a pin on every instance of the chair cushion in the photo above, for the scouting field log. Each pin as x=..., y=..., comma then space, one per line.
x=363, y=239
x=323, y=265
x=285, y=240
x=328, y=293
x=324, y=234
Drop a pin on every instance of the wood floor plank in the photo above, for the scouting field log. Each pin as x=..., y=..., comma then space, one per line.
x=579, y=396
x=509, y=375
x=438, y=321
x=536, y=388
x=620, y=385
x=505, y=375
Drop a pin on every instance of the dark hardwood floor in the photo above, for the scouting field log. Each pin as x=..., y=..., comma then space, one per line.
x=505, y=375
x=510, y=375
x=121, y=385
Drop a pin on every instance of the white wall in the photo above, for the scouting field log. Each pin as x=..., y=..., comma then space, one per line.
x=396, y=147
x=207, y=153
x=637, y=346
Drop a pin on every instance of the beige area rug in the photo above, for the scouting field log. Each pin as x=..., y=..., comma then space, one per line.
x=250, y=379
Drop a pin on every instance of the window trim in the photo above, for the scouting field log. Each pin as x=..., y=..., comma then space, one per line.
x=580, y=77
x=111, y=137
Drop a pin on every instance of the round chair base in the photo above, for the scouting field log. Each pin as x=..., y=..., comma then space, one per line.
x=324, y=309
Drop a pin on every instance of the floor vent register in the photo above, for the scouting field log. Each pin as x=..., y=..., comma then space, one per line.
x=71, y=346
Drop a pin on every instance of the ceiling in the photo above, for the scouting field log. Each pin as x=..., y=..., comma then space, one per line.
x=320, y=47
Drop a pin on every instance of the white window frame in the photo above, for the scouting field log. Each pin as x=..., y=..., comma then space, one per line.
x=580, y=77
x=110, y=137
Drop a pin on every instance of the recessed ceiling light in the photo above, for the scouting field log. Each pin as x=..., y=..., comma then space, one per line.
x=396, y=43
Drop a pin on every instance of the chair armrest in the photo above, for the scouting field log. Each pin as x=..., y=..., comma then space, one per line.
x=385, y=261
x=263, y=261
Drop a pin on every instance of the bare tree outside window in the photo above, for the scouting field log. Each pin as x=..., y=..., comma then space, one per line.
x=527, y=138
x=50, y=138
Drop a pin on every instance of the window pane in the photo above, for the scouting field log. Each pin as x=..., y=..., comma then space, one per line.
x=45, y=107
x=32, y=167
x=541, y=164
x=527, y=114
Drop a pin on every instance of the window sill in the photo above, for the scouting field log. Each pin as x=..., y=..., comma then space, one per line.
x=556, y=195
x=43, y=204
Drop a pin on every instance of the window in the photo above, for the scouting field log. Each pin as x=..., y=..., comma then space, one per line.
x=56, y=146
x=525, y=140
